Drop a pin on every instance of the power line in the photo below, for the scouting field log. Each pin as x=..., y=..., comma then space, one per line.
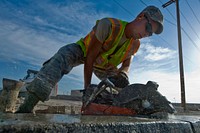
x=171, y=14
x=167, y=42
x=170, y=22
x=190, y=25
x=175, y=48
x=146, y=5
x=168, y=11
x=184, y=30
x=193, y=12
x=176, y=26
x=191, y=62
x=191, y=39
x=143, y=3
x=165, y=20
x=124, y=8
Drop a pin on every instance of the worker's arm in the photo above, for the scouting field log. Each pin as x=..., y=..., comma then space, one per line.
x=121, y=79
x=92, y=53
x=101, y=32
x=127, y=62
x=126, y=65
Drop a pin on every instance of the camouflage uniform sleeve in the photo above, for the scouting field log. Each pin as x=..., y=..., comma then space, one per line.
x=102, y=29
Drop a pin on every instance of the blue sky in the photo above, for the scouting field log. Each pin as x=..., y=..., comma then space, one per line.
x=31, y=31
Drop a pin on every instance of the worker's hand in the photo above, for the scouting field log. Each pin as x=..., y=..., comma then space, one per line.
x=120, y=80
x=87, y=92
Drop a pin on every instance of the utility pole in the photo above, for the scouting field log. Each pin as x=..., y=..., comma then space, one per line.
x=183, y=101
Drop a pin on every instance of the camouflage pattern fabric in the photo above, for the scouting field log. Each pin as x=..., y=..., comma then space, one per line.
x=61, y=63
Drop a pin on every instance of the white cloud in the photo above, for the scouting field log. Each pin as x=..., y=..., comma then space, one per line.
x=169, y=84
x=74, y=16
x=152, y=53
x=25, y=44
x=160, y=64
x=33, y=33
x=35, y=36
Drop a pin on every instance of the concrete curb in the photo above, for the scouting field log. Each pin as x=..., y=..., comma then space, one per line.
x=147, y=127
x=28, y=123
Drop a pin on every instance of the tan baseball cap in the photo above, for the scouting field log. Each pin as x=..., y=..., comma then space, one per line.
x=155, y=14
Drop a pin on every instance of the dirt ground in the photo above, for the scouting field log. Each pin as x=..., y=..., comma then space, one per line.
x=59, y=106
x=55, y=106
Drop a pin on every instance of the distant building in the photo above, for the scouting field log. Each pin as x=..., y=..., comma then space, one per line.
x=76, y=93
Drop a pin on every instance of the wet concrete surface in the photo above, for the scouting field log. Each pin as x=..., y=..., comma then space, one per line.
x=48, y=121
x=10, y=122
x=20, y=119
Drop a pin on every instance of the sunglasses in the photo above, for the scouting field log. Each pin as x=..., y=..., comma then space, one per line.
x=148, y=27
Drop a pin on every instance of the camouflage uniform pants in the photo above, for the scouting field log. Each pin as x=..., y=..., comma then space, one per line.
x=53, y=69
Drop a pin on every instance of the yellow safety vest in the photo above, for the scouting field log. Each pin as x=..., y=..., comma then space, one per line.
x=107, y=59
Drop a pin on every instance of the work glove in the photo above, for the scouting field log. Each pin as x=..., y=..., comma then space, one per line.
x=87, y=92
x=120, y=80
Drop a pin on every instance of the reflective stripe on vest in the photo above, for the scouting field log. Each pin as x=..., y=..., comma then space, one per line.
x=106, y=58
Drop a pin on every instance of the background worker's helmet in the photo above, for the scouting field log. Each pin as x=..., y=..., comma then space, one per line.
x=155, y=14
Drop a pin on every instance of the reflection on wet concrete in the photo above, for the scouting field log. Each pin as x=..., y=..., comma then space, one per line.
x=10, y=118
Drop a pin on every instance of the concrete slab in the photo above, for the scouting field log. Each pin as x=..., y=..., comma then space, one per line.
x=194, y=121
x=28, y=123
x=183, y=122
